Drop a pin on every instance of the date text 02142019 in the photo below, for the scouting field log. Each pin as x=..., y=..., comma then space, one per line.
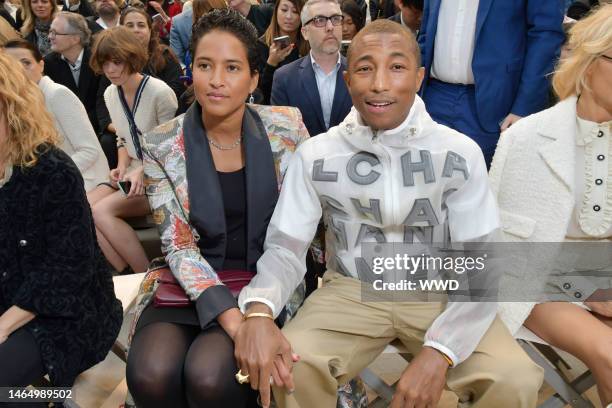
x=45, y=394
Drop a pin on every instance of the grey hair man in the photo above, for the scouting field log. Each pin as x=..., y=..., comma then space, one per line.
x=70, y=36
x=314, y=82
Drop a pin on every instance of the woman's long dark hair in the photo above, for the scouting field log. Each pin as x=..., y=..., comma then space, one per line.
x=158, y=53
x=273, y=30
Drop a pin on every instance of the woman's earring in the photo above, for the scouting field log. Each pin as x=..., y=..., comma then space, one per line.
x=251, y=99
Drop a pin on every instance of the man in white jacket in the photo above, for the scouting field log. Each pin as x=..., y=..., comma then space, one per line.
x=387, y=174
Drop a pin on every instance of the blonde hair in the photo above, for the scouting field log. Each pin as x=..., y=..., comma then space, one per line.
x=589, y=38
x=28, y=134
x=29, y=19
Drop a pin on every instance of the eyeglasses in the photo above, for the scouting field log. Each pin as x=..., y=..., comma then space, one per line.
x=321, y=21
x=53, y=33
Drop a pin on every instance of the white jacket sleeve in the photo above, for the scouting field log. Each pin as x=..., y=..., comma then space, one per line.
x=166, y=104
x=473, y=216
x=74, y=124
x=293, y=225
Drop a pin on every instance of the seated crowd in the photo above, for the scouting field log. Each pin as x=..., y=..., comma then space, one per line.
x=271, y=144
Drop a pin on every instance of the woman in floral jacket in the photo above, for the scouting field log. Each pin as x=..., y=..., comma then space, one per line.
x=212, y=177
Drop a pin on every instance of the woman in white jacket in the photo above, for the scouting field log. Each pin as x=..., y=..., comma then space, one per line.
x=136, y=103
x=552, y=175
x=79, y=140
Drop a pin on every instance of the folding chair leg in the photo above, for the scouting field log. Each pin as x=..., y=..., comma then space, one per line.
x=119, y=350
x=384, y=391
x=566, y=393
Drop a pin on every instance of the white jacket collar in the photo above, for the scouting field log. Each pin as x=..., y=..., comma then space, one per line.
x=417, y=124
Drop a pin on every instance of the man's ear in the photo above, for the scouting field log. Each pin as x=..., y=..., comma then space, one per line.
x=347, y=80
x=304, y=31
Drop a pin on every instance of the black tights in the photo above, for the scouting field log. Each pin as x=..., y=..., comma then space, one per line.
x=175, y=365
x=21, y=364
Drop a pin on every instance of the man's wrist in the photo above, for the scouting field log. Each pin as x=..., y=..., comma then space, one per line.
x=439, y=356
x=257, y=307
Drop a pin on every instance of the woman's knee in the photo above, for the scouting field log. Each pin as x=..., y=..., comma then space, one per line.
x=153, y=379
x=207, y=386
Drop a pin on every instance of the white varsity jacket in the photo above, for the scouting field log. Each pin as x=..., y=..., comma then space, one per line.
x=385, y=186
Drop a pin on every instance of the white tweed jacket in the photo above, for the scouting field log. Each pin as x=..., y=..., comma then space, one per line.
x=532, y=177
x=79, y=138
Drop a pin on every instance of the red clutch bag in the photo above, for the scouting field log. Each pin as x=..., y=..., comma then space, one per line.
x=170, y=294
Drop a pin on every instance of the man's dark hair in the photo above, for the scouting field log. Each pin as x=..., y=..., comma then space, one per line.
x=384, y=26
x=19, y=43
x=231, y=22
x=414, y=4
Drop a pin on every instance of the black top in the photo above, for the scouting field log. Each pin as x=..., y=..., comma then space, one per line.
x=260, y=16
x=266, y=71
x=233, y=191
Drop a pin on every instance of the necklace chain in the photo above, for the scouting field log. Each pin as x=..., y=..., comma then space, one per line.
x=230, y=147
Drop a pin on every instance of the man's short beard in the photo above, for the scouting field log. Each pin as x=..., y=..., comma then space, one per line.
x=108, y=11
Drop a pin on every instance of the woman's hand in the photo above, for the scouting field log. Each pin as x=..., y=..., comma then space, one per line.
x=278, y=55
x=136, y=177
x=116, y=175
x=3, y=336
x=111, y=128
x=12, y=319
x=262, y=352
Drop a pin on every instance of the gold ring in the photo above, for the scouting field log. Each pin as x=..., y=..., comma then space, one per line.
x=241, y=378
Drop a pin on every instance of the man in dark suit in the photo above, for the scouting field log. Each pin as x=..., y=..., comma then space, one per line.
x=314, y=83
x=81, y=7
x=409, y=15
x=68, y=65
x=487, y=67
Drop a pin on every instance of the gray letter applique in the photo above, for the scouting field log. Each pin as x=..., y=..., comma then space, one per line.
x=425, y=166
x=372, y=212
x=318, y=174
x=455, y=162
x=351, y=168
x=422, y=211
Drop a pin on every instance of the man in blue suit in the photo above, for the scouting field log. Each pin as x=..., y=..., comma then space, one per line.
x=180, y=34
x=314, y=83
x=487, y=62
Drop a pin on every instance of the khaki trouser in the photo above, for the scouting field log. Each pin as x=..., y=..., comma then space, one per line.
x=337, y=335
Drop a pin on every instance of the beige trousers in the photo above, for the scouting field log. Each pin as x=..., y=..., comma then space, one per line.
x=337, y=335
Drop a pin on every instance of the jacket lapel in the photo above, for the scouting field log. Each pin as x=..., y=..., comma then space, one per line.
x=261, y=184
x=559, y=155
x=340, y=95
x=309, y=83
x=206, y=211
x=483, y=10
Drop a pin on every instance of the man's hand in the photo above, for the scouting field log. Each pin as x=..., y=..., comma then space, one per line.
x=421, y=384
x=262, y=352
x=510, y=120
x=600, y=302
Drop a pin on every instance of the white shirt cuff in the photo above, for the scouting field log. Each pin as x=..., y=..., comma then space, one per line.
x=443, y=349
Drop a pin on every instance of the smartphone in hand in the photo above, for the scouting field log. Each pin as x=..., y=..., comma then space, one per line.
x=282, y=42
x=344, y=47
x=125, y=187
